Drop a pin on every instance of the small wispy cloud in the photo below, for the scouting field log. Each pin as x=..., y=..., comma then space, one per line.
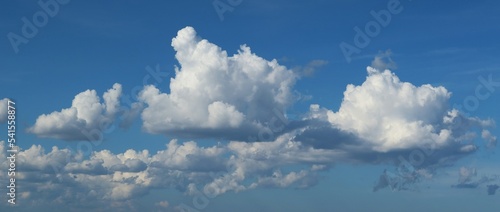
x=383, y=61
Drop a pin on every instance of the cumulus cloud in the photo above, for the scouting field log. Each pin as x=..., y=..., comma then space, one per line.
x=386, y=120
x=85, y=115
x=62, y=177
x=237, y=166
x=385, y=115
x=242, y=98
x=216, y=95
x=105, y=179
x=263, y=161
x=391, y=114
x=3, y=110
x=189, y=156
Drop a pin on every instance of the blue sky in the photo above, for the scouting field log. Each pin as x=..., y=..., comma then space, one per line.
x=331, y=151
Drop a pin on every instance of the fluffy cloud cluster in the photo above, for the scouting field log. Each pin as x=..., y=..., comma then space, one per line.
x=239, y=98
x=386, y=120
x=64, y=176
x=387, y=115
x=263, y=161
x=214, y=94
x=85, y=115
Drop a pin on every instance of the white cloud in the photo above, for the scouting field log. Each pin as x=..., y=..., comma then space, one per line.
x=85, y=115
x=281, y=181
x=388, y=114
x=216, y=95
x=213, y=92
x=384, y=119
x=65, y=177
x=129, y=161
x=224, y=115
x=35, y=159
x=189, y=156
x=262, y=162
